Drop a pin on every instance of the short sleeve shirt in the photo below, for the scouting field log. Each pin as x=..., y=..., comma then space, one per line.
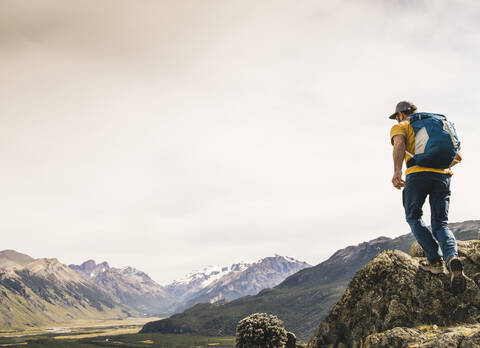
x=404, y=128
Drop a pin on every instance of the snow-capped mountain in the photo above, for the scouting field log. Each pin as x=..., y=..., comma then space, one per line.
x=133, y=287
x=195, y=281
x=103, y=290
x=215, y=283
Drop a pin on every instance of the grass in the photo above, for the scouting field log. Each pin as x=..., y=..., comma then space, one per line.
x=129, y=340
x=108, y=333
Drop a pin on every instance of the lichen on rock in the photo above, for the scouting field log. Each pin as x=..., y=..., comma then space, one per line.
x=391, y=297
x=463, y=336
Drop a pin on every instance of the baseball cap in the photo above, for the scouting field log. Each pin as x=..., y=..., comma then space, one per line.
x=403, y=106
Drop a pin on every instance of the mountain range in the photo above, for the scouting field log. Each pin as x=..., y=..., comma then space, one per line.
x=302, y=300
x=35, y=292
x=132, y=287
x=38, y=292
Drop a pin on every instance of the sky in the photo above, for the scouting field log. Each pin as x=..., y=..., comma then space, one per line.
x=176, y=134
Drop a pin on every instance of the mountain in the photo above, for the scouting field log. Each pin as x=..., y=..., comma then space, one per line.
x=44, y=291
x=229, y=283
x=302, y=300
x=190, y=285
x=131, y=286
x=392, y=302
x=12, y=258
x=223, y=284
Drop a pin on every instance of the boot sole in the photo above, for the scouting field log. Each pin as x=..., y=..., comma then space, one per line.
x=433, y=270
x=458, y=281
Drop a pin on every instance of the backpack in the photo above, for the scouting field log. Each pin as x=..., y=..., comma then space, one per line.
x=436, y=141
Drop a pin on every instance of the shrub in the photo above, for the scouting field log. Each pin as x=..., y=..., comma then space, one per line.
x=260, y=330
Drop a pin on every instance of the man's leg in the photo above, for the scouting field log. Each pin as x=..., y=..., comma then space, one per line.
x=439, y=203
x=416, y=189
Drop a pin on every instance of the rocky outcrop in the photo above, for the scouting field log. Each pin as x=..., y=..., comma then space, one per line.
x=428, y=336
x=390, y=299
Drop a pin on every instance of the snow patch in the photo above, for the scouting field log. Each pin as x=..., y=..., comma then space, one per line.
x=210, y=274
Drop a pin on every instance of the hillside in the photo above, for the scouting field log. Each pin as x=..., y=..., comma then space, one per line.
x=13, y=258
x=303, y=299
x=43, y=291
x=132, y=287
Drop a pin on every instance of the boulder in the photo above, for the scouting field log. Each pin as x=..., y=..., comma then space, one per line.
x=463, y=336
x=391, y=298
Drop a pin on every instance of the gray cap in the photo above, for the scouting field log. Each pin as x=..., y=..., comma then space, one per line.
x=403, y=106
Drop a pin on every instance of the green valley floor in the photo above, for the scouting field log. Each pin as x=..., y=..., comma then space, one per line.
x=127, y=340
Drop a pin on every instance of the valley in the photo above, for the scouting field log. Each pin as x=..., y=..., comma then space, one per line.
x=110, y=334
x=83, y=328
x=105, y=333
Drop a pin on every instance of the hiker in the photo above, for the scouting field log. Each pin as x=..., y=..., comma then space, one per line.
x=429, y=145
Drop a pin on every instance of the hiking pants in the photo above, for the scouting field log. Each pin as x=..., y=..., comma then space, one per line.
x=437, y=186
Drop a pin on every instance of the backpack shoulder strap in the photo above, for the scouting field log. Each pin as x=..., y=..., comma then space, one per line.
x=418, y=116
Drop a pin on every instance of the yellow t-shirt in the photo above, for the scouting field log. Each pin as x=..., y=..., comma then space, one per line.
x=404, y=128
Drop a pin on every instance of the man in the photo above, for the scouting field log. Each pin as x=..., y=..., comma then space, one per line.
x=419, y=183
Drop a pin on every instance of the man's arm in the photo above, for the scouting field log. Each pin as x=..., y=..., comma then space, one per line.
x=458, y=159
x=398, y=157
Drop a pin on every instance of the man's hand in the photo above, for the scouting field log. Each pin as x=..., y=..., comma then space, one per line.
x=397, y=180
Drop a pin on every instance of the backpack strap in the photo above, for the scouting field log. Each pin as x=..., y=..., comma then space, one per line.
x=424, y=115
x=411, y=162
x=447, y=127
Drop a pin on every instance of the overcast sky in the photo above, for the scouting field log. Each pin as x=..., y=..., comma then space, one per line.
x=171, y=135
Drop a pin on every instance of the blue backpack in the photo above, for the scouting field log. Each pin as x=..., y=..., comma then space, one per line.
x=436, y=141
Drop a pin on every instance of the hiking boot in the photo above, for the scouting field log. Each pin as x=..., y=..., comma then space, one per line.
x=458, y=281
x=433, y=267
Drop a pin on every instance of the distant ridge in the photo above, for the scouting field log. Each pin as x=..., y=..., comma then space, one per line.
x=15, y=257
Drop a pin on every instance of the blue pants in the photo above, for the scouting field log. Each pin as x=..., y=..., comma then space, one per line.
x=437, y=186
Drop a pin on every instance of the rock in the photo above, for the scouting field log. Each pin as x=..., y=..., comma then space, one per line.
x=466, y=248
x=291, y=340
x=391, y=297
x=416, y=250
x=396, y=337
x=426, y=337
